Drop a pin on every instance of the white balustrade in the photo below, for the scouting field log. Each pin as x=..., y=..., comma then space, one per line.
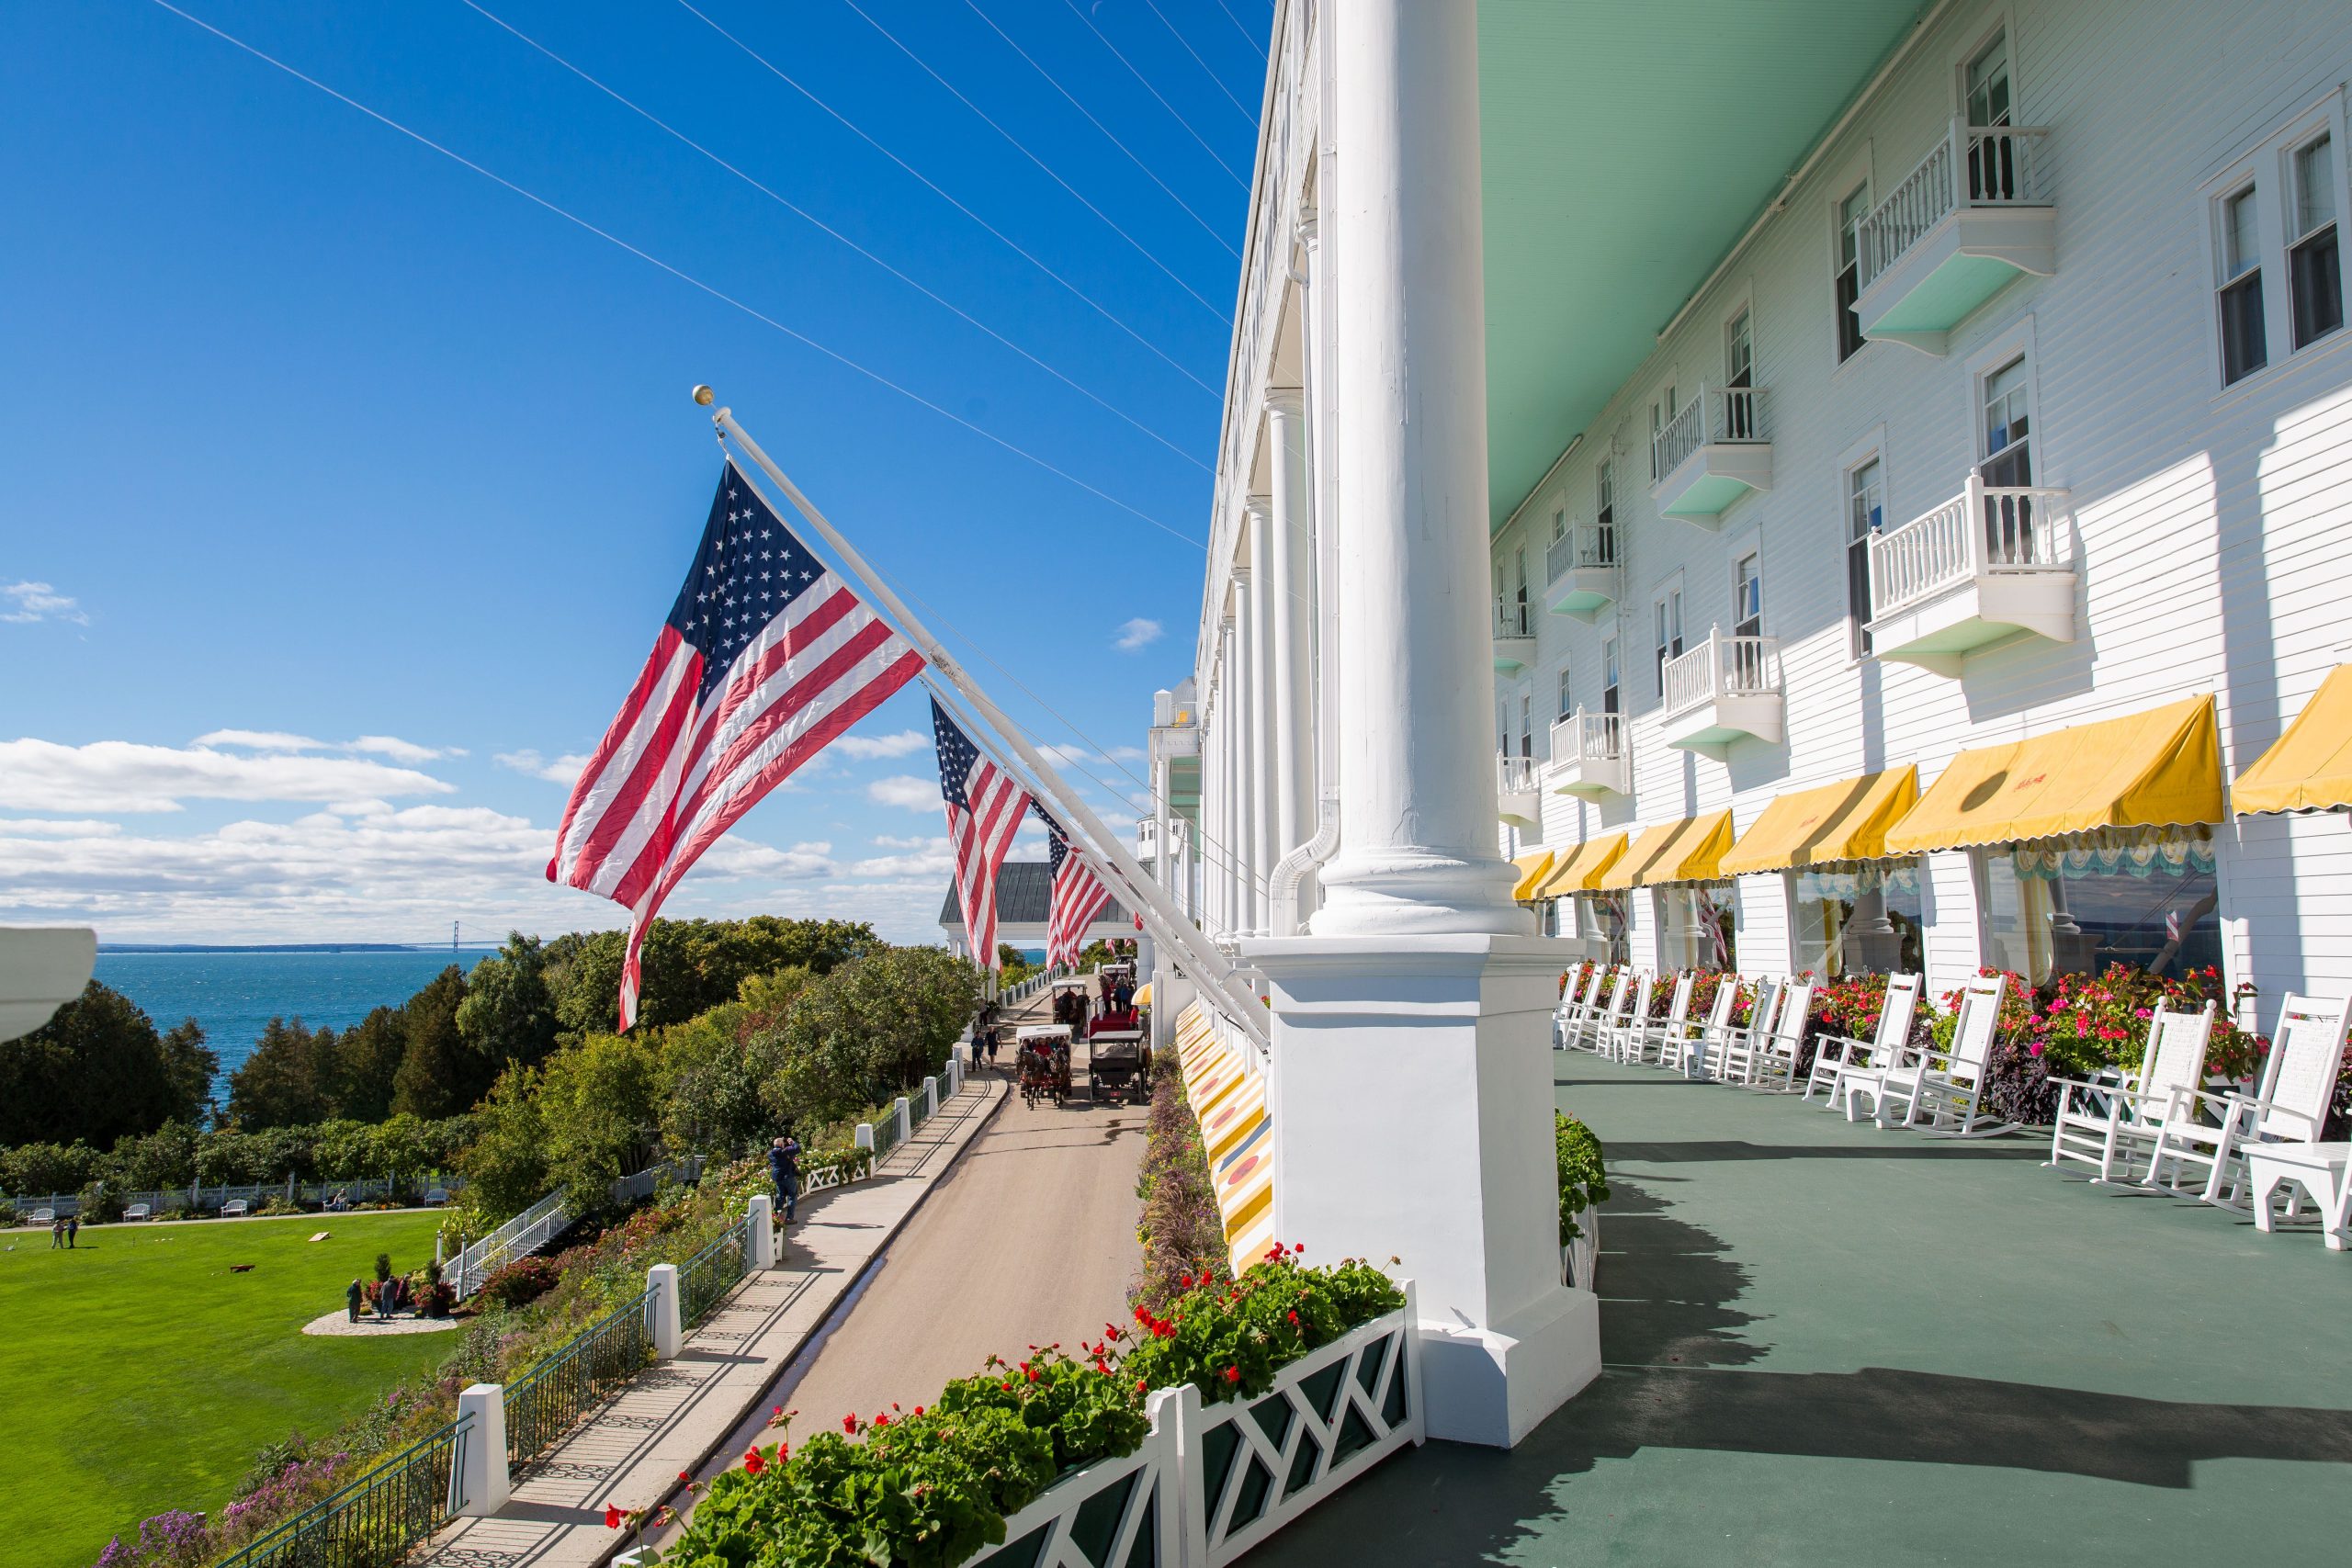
x=1585, y=547
x=1717, y=416
x=1514, y=775
x=1983, y=531
x=1514, y=619
x=1973, y=165
x=1584, y=736
x=1722, y=667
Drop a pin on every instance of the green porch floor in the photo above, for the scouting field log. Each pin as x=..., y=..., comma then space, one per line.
x=1829, y=1344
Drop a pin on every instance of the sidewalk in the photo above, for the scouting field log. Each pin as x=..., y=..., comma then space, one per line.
x=674, y=1415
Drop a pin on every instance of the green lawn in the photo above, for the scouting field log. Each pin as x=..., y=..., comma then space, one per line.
x=140, y=1374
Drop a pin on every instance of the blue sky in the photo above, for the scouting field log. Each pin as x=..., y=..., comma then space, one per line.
x=342, y=490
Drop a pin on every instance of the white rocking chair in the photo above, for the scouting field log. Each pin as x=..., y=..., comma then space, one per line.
x=1735, y=1056
x=1883, y=1049
x=2134, y=1113
x=1774, y=1064
x=1945, y=1088
x=1649, y=1042
x=1619, y=1034
x=1687, y=1053
x=1577, y=1028
x=2291, y=1106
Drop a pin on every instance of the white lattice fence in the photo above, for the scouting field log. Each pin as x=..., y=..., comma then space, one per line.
x=1122, y=1513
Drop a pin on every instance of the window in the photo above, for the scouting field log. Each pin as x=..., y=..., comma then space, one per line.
x=1865, y=517
x=1991, y=162
x=2073, y=906
x=2243, y=351
x=2314, y=274
x=1501, y=623
x=1566, y=707
x=1746, y=597
x=1609, y=676
x=2008, y=440
x=1669, y=632
x=1601, y=923
x=1559, y=523
x=1864, y=917
x=1604, y=483
x=1662, y=411
x=1698, y=924
x=1518, y=577
x=1739, y=352
x=1526, y=722
x=1850, y=213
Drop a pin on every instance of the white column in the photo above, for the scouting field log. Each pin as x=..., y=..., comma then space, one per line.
x=1241, y=826
x=1292, y=596
x=1322, y=423
x=664, y=1309
x=1265, y=787
x=760, y=1227
x=479, y=1482
x=1417, y=839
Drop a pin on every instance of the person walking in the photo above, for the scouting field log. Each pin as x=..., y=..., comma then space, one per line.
x=72, y=1231
x=351, y=1297
x=56, y=1234
x=784, y=1168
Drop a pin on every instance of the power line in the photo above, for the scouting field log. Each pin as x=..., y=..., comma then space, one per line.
x=1246, y=112
x=1097, y=32
x=1148, y=172
x=682, y=276
x=819, y=223
x=936, y=189
x=1041, y=163
x=1246, y=36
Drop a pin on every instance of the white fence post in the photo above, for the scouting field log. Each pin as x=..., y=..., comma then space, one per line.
x=864, y=1136
x=906, y=1123
x=761, y=1219
x=930, y=1097
x=477, y=1480
x=662, y=1309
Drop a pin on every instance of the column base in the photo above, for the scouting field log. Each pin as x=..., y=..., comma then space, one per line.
x=1394, y=893
x=1492, y=1388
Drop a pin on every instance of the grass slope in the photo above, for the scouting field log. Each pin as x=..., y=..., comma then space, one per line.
x=139, y=1374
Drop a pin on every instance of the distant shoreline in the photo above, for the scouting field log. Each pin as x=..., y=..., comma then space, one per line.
x=295, y=947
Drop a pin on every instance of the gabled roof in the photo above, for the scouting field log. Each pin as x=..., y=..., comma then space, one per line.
x=1024, y=896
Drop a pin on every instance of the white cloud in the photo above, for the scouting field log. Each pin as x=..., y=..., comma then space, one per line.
x=1069, y=756
x=123, y=775
x=401, y=750
x=884, y=841
x=391, y=745
x=931, y=858
x=1139, y=633
x=906, y=791
x=563, y=770
x=29, y=601
x=1128, y=753
x=868, y=746
x=55, y=828
x=259, y=740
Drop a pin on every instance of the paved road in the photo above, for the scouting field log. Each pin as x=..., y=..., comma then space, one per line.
x=1030, y=1239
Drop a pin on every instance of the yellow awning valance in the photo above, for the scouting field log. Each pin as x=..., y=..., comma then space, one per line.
x=1687, y=850
x=2310, y=767
x=1847, y=821
x=1534, y=867
x=1143, y=995
x=2146, y=770
x=1578, y=870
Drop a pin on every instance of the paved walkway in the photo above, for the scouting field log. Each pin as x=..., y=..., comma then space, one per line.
x=1832, y=1345
x=677, y=1415
x=1029, y=1240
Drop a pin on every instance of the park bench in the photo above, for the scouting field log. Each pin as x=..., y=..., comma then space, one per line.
x=139, y=1212
x=436, y=1195
x=44, y=1216
x=235, y=1208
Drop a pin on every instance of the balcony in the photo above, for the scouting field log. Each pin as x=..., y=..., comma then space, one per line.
x=1581, y=568
x=1969, y=221
x=1589, y=756
x=1521, y=803
x=1724, y=691
x=1710, y=454
x=1514, y=638
x=1988, y=566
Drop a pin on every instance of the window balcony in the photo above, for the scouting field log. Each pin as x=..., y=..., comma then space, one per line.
x=1724, y=691
x=1710, y=454
x=1589, y=756
x=1521, y=803
x=1514, y=638
x=1986, y=566
x=1972, y=218
x=1581, y=569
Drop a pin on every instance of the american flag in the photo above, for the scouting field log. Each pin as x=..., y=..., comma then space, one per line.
x=766, y=657
x=1078, y=897
x=984, y=807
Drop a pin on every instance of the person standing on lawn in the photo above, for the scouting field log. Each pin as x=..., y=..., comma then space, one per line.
x=784, y=1168
x=56, y=1234
x=72, y=1231
x=351, y=1298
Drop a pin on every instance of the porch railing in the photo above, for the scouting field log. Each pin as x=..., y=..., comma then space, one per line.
x=518, y=1238
x=1514, y=775
x=1514, y=619
x=1984, y=531
x=1722, y=667
x=1973, y=165
x=1718, y=416
x=547, y=1401
x=704, y=1278
x=373, y=1522
x=1584, y=736
x=1585, y=546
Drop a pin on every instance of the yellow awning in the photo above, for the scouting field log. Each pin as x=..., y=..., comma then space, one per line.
x=1687, y=850
x=1143, y=995
x=2310, y=767
x=1579, y=870
x=1847, y=821
x=1534, y=867
x=2153, y=769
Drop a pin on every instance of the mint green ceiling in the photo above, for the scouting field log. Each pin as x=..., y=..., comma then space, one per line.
x=1626, y=146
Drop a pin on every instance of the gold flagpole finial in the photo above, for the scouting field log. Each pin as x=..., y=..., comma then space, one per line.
x=705, y=396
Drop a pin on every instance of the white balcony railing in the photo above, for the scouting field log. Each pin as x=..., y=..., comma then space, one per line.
x=1973, y=165
x=1717, y=416
x=1722, y=667
x=1514, y=775
x=1982, y=532
x=1584, y=736
x=1585, y=547
x=1513, y=618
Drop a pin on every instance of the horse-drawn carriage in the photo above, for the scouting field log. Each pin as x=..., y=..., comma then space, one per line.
x=1118, y=1064
x=1044, y=1055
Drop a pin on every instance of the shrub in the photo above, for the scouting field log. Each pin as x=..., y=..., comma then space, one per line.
x=101, y=1205
x=1181, y=1232
x=1229, y=1340
x=1582, y=1178
x=521, y=1283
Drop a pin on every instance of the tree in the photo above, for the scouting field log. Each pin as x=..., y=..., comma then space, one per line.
x=875, y=1025
x=689, y=966
x=439, y=1077
x=95, y=1071
x=600, y=1106
x=190, y=1067
x=366, y=1062
x=509, y=1014
x=287, y=1079
x=506, y=1164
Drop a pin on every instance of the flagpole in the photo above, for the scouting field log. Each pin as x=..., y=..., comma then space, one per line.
x=1210, y=966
